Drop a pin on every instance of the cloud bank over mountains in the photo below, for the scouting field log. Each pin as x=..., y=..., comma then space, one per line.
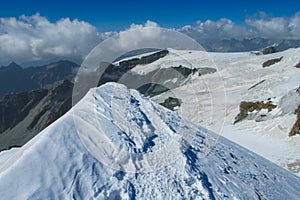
x=263, y=27
x=276, y=27
x=35, y=38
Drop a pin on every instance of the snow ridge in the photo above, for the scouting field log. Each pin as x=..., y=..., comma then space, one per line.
x=144, y=152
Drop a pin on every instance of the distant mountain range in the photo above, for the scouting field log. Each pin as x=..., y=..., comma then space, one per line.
x=25, y=114
x=32, y=98
x=14, y=78
x=253, y=44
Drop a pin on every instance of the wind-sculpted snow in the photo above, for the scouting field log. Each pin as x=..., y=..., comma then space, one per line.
x=116, y=144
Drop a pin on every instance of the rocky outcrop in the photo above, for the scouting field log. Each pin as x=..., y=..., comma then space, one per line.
x=272, y=62
x=185, y=71
x=206, y=70
x=256, y=53
x=296, y=127
x=247, y=107
x=298, y=65
x=149, y=84
x=152, y=89
x=171, y=103
x=269, y=50
x=160, y=80
x=114, y=72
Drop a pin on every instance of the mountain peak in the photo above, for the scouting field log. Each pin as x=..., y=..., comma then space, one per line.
x=14, y=65
x=117, y=144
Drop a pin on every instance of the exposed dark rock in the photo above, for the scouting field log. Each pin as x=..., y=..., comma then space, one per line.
x=248, y=106
x=269, y=50
x=15, y=107
x=296, y=127
x=152, y=89
x=298, y=65
x=206, y=70
x=272, y=62
x=113, y=73
x=185, y=71
x=149, y=84
x=160, y=80
x=253, y=86
x=60, y=102
x=153, y=57
x=10, y=147
x=32, y=111
x=171, y=103
x=257, y=53
x=136, y=52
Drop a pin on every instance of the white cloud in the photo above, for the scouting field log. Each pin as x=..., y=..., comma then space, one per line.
x=276, y=27
x=264, y=26
x=30, y=39
x=137, y=36
x=294, y=25
x=273, y=28
x=150, y=35
x=35, y=38
x=148, y=23
x=221, y=29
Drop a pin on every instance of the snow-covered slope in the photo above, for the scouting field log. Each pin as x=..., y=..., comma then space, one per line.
x=116, y=144
x=213, y=99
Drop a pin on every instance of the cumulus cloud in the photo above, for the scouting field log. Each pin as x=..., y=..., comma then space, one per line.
x=264, y=26
x=35, y=38
x=148, y=23
x=148, y=35
x=276, y=27
x=137, y=36
x=221, y=29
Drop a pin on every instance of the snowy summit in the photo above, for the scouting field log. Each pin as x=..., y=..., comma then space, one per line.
x=117, y=144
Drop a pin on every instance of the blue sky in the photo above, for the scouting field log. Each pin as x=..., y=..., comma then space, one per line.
x=42, y=30
x=117, y=15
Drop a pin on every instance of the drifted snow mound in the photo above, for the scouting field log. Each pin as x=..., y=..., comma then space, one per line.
x=144, y=152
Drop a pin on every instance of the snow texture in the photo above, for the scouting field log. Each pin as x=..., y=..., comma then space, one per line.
x=60, y=163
